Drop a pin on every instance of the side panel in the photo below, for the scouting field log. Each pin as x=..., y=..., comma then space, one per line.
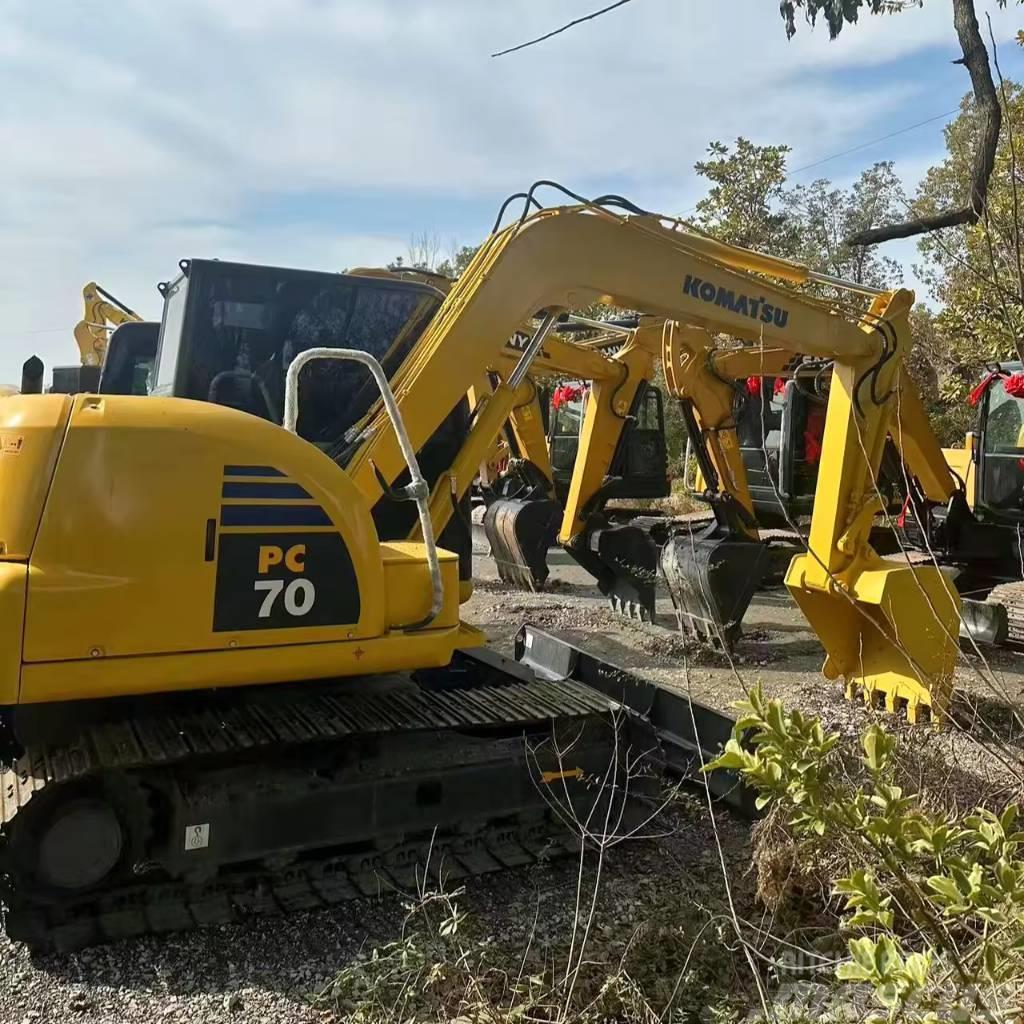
x=31, y=430
x=13, y=583
x=177, y=526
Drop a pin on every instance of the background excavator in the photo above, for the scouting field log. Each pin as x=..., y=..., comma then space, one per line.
x=234, y=675
x=527, y=502
x=963, y=507
x=103, y=313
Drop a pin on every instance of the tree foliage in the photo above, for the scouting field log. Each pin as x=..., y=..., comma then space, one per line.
x=838, y=12
x=974, y=271
x=826, y=216
x=748, y=203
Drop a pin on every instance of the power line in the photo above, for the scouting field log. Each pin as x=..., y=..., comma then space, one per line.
x=872, y=142
x=857, y=148
x=557, y=31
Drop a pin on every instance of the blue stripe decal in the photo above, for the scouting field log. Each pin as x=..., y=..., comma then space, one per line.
x=252, y=471
x=273, y=515
x=267, y=490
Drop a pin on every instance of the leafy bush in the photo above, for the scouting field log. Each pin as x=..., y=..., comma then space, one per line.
x=935, y=916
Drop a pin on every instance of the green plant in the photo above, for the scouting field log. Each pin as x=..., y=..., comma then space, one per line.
x=936, y=913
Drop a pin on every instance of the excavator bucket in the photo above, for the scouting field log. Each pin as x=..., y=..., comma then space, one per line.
x=520, y=533
x=711, y=579
x=623, y=558
x=889, y=630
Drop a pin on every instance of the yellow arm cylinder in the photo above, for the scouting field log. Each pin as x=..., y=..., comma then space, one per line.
x=451, y=486
x=912, y=432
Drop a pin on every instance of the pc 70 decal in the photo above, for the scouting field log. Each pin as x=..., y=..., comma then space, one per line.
x=284, y=581
x=298, y=595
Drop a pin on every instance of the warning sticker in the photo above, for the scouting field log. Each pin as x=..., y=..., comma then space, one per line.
x=197, y=837
x=11, y=444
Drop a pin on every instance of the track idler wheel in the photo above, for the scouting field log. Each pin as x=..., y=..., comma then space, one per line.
x=520, y=533
x=711, y=580
x=78, y=838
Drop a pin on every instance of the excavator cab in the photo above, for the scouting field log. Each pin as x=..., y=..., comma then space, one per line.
x=229, y=331
x=641, y=460
x=131, y=353
x=999, y=453
x=565, y=421
x=779, y=425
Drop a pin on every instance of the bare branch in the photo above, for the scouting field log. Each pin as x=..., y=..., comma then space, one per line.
x=575, y=21
x=975, y=59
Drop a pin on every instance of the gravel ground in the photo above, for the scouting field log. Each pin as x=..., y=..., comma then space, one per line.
x=269, y=969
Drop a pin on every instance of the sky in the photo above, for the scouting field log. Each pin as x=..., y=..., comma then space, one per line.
x=325, y=133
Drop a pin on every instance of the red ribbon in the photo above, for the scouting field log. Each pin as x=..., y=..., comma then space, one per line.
x=812, y=447
x=753, y=386
x=1014, y=385
x=566, y=393
x=780, y=386
x=902, y=517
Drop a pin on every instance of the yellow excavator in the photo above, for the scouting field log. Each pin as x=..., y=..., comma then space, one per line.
x=526, y=503
x=235, y=677
x=618, y=450
x=102, y=314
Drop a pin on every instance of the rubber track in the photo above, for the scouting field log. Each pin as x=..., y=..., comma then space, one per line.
x=256, y=722
x=312, y=884
x=1011, y=596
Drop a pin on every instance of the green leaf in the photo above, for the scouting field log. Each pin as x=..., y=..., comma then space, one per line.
x=733, y=756
x=887, y=994
x=916, y=969
x=850, y=971
x=944, y=886
x=776, y=718
x=863, y=952
x=887, y=956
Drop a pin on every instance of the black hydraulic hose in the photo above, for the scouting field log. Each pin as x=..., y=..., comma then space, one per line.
x=529, y=200
x=511, y=199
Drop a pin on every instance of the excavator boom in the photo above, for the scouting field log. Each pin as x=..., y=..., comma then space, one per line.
x=885, y=628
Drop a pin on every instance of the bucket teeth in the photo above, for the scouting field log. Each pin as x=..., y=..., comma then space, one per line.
x=635, y=610
x=711, y=578
x=519, y=533
x=623, y=559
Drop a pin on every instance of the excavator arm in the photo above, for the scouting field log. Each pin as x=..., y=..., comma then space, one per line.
x=102, y=313
x=885, y=628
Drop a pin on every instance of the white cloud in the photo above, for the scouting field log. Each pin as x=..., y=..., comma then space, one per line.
x=135, y=142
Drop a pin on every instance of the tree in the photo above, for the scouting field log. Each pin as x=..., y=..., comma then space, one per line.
x=827, y=216
x=975, y=270
x=457, y=261
x=975, y=60
x=424, y=250
x=746, y=203
x=838, y=14
x=749, y=204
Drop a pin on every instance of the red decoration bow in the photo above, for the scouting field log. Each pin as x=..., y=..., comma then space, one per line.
x=567, y=393
x=1013, y=382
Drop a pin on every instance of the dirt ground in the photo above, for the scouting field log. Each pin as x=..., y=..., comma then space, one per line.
x=270, y=969
x=959, y=765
